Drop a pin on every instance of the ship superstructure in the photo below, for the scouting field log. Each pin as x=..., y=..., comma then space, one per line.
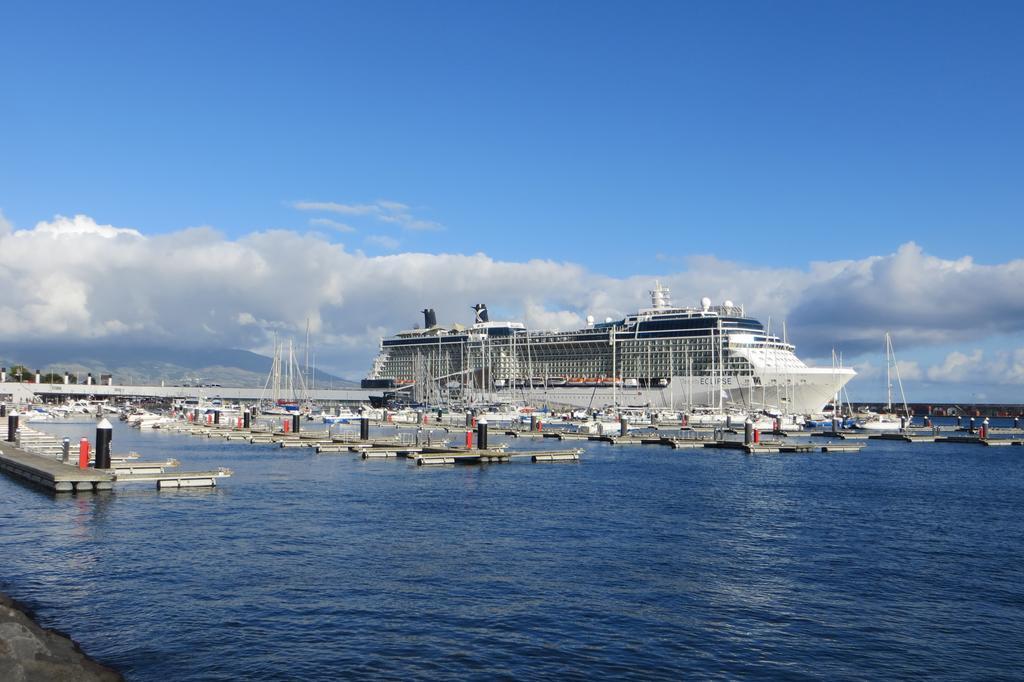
x=663, y=356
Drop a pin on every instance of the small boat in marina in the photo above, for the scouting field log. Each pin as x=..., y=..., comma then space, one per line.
x=144, y=419
x=881, y=422
x=38, y=414
x=705, y=417
x=888, y=421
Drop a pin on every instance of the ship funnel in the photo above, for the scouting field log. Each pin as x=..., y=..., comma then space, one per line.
x=429, y=318
x=481, y=312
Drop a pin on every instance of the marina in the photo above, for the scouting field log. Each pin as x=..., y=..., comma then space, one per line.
x=535, y=341
x=383, y=447
x=357, y=499
x=427, y=445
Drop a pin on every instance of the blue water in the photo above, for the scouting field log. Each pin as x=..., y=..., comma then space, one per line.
x=639, y=562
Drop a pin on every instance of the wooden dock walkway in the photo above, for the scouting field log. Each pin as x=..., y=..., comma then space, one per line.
x=51, y=473
x=975, y=440
x=840, y=435
x=774, y=447
x=906, y=437
x=56, y=476
x=493, y=456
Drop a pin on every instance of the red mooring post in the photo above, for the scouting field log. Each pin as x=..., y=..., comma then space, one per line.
x=469, y=439
x=83, y=454
x=287, y=425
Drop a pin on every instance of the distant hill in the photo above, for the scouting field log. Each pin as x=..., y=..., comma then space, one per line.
x=153, y=364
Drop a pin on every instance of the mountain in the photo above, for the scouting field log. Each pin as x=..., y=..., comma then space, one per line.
x=152, y=364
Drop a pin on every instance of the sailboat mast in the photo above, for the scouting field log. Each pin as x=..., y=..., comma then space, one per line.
x=839, y=393
x=721, y=365
x=764, y=349
x=835, y=397
x=615, y=400
x=899, y=380
x=291, y=361
x=276, y=369
x=671, y=384
x=689, y=381
x=790, y=388
x=888, y=372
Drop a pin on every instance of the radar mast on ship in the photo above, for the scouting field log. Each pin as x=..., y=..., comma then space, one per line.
x=661, y=297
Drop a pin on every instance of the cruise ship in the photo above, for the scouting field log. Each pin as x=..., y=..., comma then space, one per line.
x=661, y=357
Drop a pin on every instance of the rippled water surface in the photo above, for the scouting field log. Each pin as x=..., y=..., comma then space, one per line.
x=641, y=562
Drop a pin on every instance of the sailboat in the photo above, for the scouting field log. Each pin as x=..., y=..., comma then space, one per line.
x=286, y=384
x=888, y=421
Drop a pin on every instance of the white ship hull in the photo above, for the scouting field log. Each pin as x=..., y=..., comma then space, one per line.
x=805, y=391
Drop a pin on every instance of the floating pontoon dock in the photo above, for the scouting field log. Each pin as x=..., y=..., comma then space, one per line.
x=37, y=457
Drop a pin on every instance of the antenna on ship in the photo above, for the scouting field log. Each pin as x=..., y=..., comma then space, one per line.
x=661, y=298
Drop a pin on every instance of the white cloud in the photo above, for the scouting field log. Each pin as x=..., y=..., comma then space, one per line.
x=406, y=220
x=73, y=278
x=909, y=370
x=1014, y=372
x=920, y=298
x=383, y=241
x=334, y=207
x=1001, y=367
x=332, y=224
x=382, y=210
x=62, y=227
x=867, y=370
x=958, y=367
x=536, y=316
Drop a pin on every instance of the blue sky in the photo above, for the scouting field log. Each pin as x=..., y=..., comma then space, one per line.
x=626, y=138
x=775, y=132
